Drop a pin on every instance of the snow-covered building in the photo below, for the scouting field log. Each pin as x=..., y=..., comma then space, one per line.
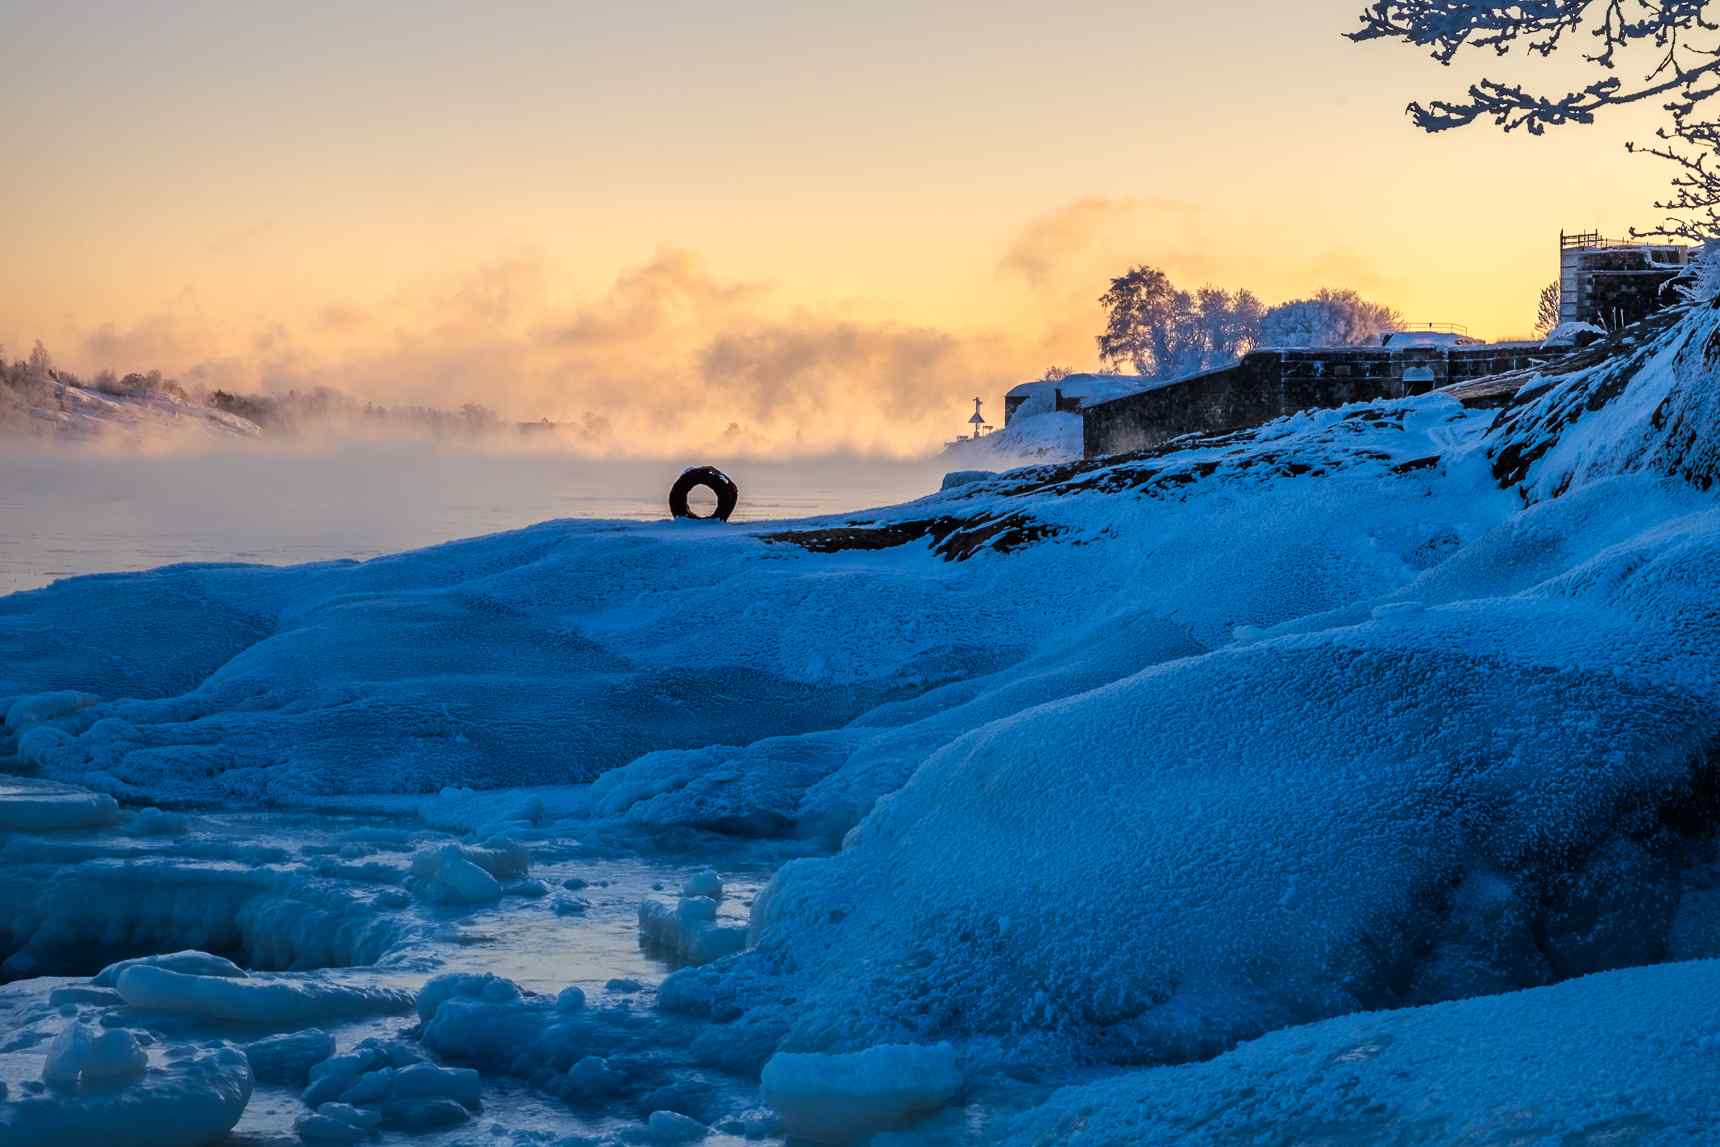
x=1268, y=384
x=1068, y=394
x=1615, y=284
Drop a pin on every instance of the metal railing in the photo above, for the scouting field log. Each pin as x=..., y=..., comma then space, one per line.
x=1595, y=241
x=1435, y=328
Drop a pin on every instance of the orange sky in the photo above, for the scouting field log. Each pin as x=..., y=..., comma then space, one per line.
x=823, y=227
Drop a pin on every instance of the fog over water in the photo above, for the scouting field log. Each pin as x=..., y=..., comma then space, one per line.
x=65, y=513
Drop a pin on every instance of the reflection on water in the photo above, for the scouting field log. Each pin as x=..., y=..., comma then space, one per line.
x=64, y=514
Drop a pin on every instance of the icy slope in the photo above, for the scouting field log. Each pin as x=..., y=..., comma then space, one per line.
x=1495, y=775
x=556, y=653
x=1621, y=1058
x=59, y=412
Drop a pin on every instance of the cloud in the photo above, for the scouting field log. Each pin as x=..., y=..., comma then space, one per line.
x=674, y=358
x=1057, y=240
x=162, y=338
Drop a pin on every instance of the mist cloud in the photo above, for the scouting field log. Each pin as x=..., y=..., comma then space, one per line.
x=672, y=358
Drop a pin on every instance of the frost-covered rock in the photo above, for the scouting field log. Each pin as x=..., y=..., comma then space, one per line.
x=847, y=1098
x=1650, y=405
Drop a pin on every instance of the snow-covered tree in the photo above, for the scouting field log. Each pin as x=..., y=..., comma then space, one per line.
x=1147, y=322
x=1165, y=332
x=1547, y=308
x=1693, y=206
x=1330, y=318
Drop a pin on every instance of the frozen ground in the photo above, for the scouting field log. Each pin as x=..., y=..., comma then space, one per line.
x=1352, y=780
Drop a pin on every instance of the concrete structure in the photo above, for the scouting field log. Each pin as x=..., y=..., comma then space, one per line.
x=1270, y=384
x=1615, y=284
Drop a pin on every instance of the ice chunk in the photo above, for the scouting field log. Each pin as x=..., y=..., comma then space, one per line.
x=288, y=1059
x=668, y=1127
x=845, y=1098
x=155, y=822
x=464, y=985
x=591, y=1077
x=337, y=1123
x=113, y=1056
x=191, y=963
x=29, y=805
x=423, y=1114
x=366, y=1073
x=446, y=875
x=279, y=1002
x=27, y=712
x=704, y=882
x=689, y=931
x=182, y=1096
x=65, y=1059
x=501, y=856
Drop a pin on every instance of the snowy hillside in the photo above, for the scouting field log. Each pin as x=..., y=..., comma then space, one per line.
x=56, y=411
x=1266, y=788
x=1049, y=436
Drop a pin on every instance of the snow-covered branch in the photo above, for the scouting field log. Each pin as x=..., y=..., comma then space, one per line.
x=1685, y=68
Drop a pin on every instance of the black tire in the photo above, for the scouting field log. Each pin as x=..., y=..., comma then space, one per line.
x=713, y=479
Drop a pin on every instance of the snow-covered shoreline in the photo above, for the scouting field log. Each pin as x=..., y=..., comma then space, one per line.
x=1362, y=733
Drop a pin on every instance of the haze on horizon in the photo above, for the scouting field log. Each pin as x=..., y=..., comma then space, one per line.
x=785, y=226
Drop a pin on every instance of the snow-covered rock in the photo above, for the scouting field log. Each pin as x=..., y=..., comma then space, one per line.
x=1571, y=334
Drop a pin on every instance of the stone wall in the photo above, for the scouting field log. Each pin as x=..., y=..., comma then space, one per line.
x=1270, y=384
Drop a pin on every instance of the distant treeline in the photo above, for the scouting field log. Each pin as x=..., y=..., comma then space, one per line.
x=301, y=411
x=35, y=383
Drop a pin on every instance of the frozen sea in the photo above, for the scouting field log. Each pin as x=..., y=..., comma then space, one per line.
x=63, y=514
